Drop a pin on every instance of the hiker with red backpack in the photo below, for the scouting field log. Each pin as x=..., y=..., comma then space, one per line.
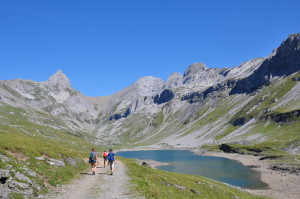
x=93, y=161
x=111, y=161
x=104, y=155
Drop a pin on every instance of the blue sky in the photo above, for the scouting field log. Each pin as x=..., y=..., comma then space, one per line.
x=104, y=46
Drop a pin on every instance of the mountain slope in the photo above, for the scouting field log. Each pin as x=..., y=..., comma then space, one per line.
x=202, y=106
x=253, y=108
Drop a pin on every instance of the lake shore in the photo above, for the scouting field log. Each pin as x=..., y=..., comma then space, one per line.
x=282, y=185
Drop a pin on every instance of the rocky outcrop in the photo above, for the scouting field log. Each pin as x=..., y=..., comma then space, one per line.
x=198, y=74
x=119, y=116
x=282, y=118
x=202, y=95
x=12, y=181
x=228, y=149
x=59, y=82
x=233, y=149
x=239, y=122
x=51, y=161
x=175, y=80
x=4, y=158
x=54, y=162
x=164, y=97
x=284, y=61
x=286, y=169
x=73, y=161
x=146, y=164
x=4, y=175
x=148, y=86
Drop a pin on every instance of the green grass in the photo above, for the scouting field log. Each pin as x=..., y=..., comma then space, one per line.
x=266, y=99
x=16, y=196
x=134, y=125
x=267, y=150
x=23, y=149
x=155, y=183
x=278, y=136
x=158, y=119
x=22, y=140
x=211, y=115
x=228, y=130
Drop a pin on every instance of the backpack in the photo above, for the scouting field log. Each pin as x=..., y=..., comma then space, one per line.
x=92, y=157
x=104, y=154
x=111, y=157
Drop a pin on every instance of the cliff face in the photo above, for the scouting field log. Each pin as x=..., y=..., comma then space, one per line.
x=284, y=61
x=204, y=105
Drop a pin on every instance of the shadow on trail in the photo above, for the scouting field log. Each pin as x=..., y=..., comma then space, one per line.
x=86, y=174
x=103, y=173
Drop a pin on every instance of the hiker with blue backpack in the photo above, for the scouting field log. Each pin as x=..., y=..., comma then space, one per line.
x=111, y=161
x=93, y=161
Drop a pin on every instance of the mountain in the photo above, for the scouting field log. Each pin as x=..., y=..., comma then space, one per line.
x=256, y=102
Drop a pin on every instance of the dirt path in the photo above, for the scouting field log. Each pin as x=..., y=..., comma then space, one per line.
x=99, y=186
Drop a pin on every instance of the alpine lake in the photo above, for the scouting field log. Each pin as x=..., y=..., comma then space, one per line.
x=187, y=162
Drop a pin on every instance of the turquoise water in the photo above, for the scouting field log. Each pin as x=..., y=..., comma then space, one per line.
x=217, y=168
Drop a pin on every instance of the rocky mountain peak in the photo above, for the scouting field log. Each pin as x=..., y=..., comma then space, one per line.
x=194, y=68
x=59, y=81
x=283, y=61
x=149, y=85
x=198, y=74
x=174, y=80
x=296, y=35
x=175, y=75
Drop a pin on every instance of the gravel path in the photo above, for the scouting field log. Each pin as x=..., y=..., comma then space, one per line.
x=99, y=186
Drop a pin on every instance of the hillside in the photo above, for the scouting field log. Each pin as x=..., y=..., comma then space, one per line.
x=253, y=108
x=202, y=106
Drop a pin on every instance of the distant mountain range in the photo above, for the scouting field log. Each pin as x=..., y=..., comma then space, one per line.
x=255, y=102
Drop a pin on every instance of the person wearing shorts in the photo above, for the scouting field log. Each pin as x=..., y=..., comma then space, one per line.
x=104, y=155
x=93, y=161
x=111, y=161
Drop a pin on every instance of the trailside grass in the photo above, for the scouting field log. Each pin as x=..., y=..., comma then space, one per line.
x=23, y=149
x=22, y=144
x=155, y=183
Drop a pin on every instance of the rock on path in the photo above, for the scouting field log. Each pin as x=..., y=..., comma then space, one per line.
x=99, y=186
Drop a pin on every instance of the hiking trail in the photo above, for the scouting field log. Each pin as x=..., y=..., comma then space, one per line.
x=99, y=186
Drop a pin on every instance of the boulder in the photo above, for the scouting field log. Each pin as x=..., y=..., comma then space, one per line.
x=179, y=187
x=4, y=173
x=195, y=192
x=40, y=158
x=13, y=184
x=146, y=164
x=54, y=162
x=22, y=177
x=166, y=183
x=29, y=172
x=73, y=161
x=5, y=193
x=4, y=158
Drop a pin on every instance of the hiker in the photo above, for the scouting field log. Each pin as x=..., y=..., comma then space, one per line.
x=104, y=155
x=93, y=161
x=111, y=161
